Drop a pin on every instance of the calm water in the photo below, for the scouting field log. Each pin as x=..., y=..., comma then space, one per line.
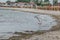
x=12, y=21
x=15, y=21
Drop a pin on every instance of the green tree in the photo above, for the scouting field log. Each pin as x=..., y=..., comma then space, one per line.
x=8, y=2
x=22, y=0
x=39, y=2
x=55, y=2
x=46, y=0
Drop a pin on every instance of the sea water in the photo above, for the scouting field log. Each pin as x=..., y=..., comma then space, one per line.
x=16, y=21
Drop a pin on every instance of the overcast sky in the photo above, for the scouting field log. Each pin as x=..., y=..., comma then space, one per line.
x=5, y=0
x=14, y=0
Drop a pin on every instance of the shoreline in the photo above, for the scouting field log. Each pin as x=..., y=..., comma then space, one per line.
x=49, y=12
x=37, y=11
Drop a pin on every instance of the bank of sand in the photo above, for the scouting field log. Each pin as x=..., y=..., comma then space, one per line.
x=54, y=35
x=33, y=10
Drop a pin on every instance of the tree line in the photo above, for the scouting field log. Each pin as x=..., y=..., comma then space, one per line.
x=22, y=0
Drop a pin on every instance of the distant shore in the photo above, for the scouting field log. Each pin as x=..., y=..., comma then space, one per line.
x=51, y=12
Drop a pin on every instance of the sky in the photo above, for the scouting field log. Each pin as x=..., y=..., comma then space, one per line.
x=5, y=0
x=14, y=0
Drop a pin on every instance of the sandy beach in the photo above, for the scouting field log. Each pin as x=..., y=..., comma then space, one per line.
x=50, y=12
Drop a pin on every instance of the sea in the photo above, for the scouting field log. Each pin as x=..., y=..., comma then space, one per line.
x=16, y=21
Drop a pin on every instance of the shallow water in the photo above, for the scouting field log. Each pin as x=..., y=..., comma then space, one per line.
x=12, y=21
x=7, y=35
x=15, y=21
